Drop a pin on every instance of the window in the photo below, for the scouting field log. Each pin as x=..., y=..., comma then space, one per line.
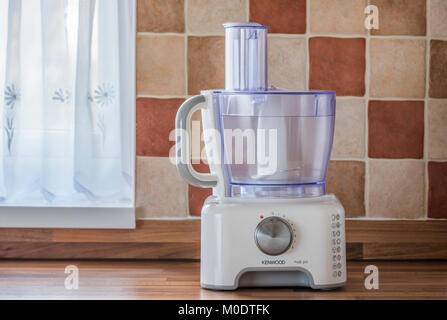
x=67, y=102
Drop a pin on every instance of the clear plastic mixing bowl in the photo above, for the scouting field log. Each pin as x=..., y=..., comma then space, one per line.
x=276, y=143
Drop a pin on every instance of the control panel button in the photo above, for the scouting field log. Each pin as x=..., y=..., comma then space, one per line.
x=273, y=236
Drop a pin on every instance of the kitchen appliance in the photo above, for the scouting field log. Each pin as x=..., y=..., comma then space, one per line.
x=269, y=221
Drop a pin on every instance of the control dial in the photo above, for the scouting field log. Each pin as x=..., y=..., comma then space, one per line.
x=273, y=236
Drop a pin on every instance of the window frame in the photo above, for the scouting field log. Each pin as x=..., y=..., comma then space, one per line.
x=85, y=217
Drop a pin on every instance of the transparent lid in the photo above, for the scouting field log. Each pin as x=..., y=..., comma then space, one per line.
x=245, y=56
x=276, y=103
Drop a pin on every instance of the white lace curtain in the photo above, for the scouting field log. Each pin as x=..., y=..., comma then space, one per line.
x=66, y=102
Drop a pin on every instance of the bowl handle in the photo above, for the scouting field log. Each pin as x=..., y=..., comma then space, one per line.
x=183, y=150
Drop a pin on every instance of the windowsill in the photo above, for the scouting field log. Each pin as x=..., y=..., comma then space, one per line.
x=92, y=205
x=68, y=217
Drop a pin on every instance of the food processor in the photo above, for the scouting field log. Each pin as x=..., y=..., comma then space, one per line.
x=269, y=221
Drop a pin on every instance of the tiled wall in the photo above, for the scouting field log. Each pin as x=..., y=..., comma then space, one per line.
x=390, y=148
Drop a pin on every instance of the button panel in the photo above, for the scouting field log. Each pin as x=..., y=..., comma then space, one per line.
x=336, y=225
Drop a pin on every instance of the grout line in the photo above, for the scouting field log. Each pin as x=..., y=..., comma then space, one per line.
x=379, y=98
x=338, y=35
x=366, y=156
x=293, y=35
x=143, y=95
x=154, y=96
x=360, y=159
x=185, y=12
x=140, y=33
x=366, y=106
x=365, y=35
x=396, y=99
x=397, y=37
x=186, y=64
x=247, y=9
x=289, y=35
x=427, y=88
x=186, y=193
x=350, y=97
x=213, y=34
x=185, y=16
x=395, y=159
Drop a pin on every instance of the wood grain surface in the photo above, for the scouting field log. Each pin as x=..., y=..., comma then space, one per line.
x=180, y=280
x=180, y=239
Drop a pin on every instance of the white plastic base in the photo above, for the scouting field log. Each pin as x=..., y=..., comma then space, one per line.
x=231, y=259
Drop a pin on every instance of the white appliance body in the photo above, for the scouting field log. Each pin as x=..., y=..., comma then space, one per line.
x=259, y=228
x=231, y=257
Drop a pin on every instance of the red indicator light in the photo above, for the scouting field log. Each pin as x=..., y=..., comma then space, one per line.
x=262, y=217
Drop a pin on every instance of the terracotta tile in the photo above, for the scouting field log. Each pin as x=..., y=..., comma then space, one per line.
x=437, y=126
x=401, y=17
x=157, y=177
x=341, y=16
x=197, y=196
x=201, y=167
x=160, y=65
x=206, y=63
x=337, y=64
x=198, y=145
x=391, y=73
x=349, y=138
x=396, y=189
x=207, y=16
x=438, y=69
x=346, y=179
x=438, y=18
x=155, y=121
x=287, y=62
x=396, y=129
x=437, y=190
x=282, y=16
x=161, y=16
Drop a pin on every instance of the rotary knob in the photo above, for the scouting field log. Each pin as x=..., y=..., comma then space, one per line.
x=273, y=236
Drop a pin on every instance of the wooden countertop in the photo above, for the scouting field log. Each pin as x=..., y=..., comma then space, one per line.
x=180, y=280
